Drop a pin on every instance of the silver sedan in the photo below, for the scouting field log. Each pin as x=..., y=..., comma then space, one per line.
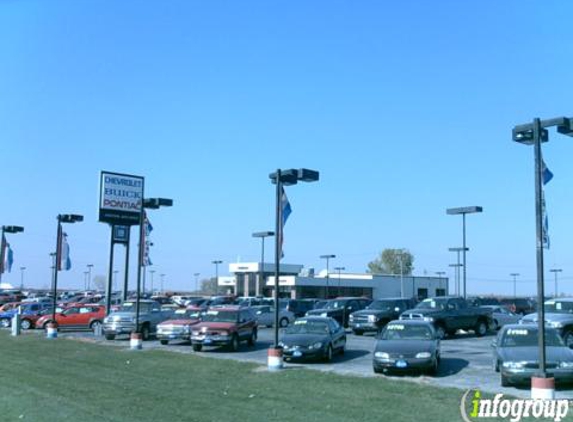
x=266, y=316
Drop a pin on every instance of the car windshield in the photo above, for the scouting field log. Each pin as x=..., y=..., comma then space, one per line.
x=432, y=304
x=559, y=307
x=382, y=305
x=304, y=326
x=407, y=332
x=220, y=316
x=334, y=304
x=130, y=307
x=527, y=337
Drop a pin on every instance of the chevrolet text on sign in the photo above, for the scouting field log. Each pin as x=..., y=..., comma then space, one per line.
x=121, y=196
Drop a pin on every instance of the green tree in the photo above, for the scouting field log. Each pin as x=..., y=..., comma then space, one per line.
x=391, y=261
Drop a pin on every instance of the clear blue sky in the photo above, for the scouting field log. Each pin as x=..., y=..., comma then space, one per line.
x=405, y=108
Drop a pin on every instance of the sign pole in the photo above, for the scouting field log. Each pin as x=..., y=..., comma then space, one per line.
x=110, y=272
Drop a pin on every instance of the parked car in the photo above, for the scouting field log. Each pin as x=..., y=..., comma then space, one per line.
x=26, y=310
x=501, y=316
x=299, y=307
x=558, y=315
x=341, y=308
x=449, y=314
x=76, y=317
x=520, y=305
x=515, y=354
x=179, y=326
x=123, y=320
x=8, y=306
x=225, y=326
x=266, y=316
x=376, y=315
x=29, y=320
x=313, y=337
x=407, y=345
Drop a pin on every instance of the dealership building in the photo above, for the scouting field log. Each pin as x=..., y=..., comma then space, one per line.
x=297, y=283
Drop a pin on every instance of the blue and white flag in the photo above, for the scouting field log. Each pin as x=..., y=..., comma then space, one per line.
x=546, y=173
x=9, y=258
x=285, y=212
x=147, y=229
x=65, y=263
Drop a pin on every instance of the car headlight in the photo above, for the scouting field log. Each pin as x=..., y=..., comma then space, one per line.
x=382, y=355
x=513, y=365
x=372, y=318
x=316, y=345
x=428, y=319
x=423, y=355
x=324, y=314
x=568, y=365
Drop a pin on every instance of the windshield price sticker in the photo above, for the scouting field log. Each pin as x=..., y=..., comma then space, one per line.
x=517, y=332
x=300, y=322
x=180, y=311
x=214, y=313
x=396, y=327
x=558, y=306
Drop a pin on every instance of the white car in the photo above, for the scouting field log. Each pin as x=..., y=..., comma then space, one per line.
x=266, y=316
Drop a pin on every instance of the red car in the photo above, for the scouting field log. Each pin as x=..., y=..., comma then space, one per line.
x=179, y=327
x=76, y=317
x=225, y=326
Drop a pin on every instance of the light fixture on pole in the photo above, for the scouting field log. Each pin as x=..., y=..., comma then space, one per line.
x=339, y=269
x=328, y=258
x=196, y=281
x=61, y=218
x=514, y=275
x=261, y=278
x=534, y=134
x=555, y=271
x=284, y=178
x=463, y=211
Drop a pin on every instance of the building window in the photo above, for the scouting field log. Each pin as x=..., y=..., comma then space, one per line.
x=440, y=292
x=422, y=293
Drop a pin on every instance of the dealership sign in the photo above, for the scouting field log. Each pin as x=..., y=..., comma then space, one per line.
x=121, y=196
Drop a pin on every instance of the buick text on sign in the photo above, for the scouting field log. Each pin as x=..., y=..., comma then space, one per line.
x=121, y=196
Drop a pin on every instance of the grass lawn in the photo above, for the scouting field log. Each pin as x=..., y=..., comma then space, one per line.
x=65, y=380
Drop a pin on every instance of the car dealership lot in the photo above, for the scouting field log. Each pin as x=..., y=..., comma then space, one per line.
x=466, y=360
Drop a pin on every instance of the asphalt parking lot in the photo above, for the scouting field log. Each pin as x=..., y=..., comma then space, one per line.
x=466, y=360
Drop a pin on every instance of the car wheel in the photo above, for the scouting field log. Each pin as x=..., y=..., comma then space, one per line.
x=441, y=332
x=164, y=342
x=481, y=329
x=504, y=381
x=110, y=336
x=283, y=322
x=25, y=324
x=145, y=332
x=234, y=346
x=568, y=338
x=4, y=322
x=496, y=365
x=328, y=355
x=253, y=338
x=197, y=347
x=358, y=332
x=94, y=325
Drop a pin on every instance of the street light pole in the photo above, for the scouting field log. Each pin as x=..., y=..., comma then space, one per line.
x=261, y=276
x=534, y=134
x=197, y=281
x=463, y=211
x=22, y=277
x=162, y=280
x=339, y=269
x=514, y=275
x=217, y=262
x=152, y=272
x=284, y=178
x=555, y=271
x=327, y=257
x=90, y=266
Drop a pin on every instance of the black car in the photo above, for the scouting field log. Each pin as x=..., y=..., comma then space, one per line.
x=341, y=308
x=299, y=307
x=407, y=345
x=313, y=337
x=378, y=314
x=483, y=301
x=520, y=305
